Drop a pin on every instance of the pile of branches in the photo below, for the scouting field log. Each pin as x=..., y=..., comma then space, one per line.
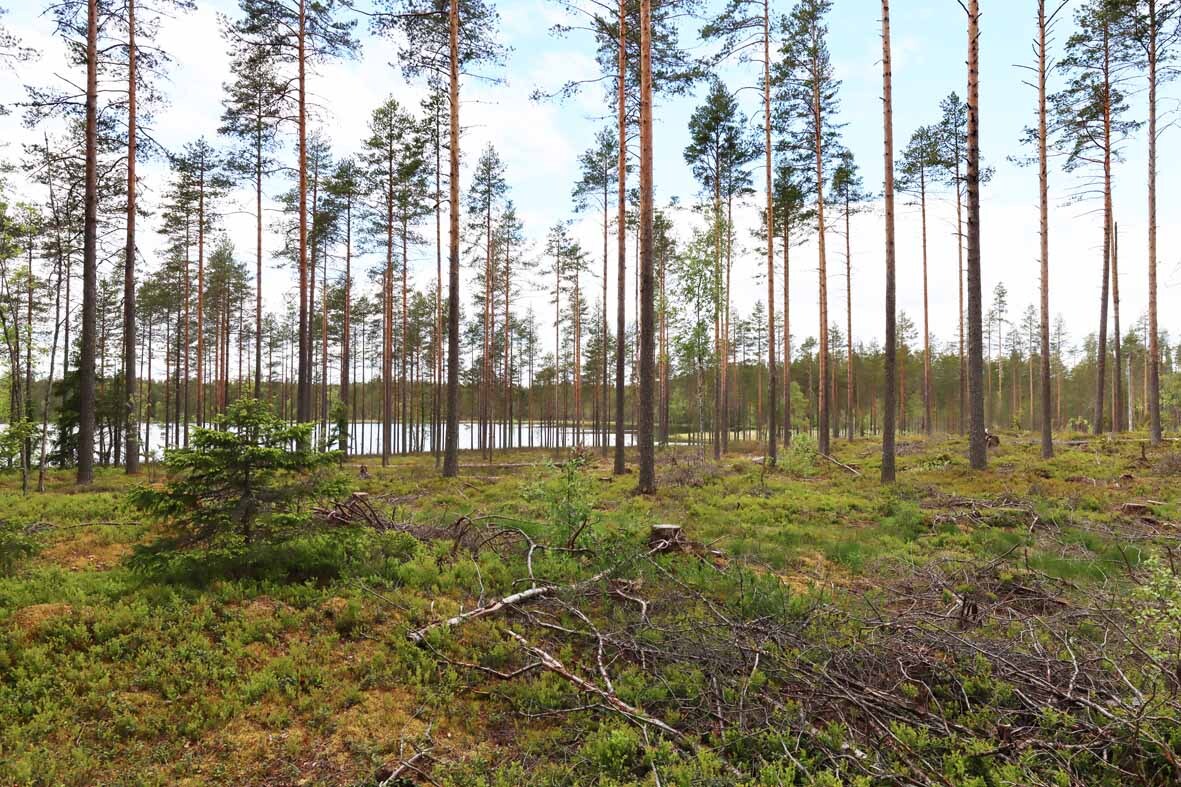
x=467, y=535
x=981, y=665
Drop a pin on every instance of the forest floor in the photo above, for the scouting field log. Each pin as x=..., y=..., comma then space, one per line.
x=808, y=626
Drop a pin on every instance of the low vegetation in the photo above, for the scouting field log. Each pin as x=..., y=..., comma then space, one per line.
x=806, y=625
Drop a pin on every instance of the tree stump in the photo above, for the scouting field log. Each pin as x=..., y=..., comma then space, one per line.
x=670, y=535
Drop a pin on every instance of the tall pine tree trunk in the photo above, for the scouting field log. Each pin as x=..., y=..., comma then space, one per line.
x=772, y=398
x=786, y=221
x=822, y=421
x=86, y=374
x=647, y=449
x=346, y=330
x=451, y=454
x=621, y=247
x=129, y=381
x=604, y=394
x=849, y=414
x=258, y=247
x=1101, y=360
x=1153, y=363
x=1117, y=402
x=977, y=448
x=928, y=426
x=1043, y=192
x=303, y=394
x=959, y=244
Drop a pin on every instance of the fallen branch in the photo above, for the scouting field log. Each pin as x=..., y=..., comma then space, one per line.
x=841, y=464
x=405, y=766
x=521, y=597
x=552, y=664
x=531, y=594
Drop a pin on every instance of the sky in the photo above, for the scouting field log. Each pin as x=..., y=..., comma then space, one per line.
x=540, y=142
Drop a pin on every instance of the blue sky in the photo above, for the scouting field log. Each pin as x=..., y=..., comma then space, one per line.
x=540, y=143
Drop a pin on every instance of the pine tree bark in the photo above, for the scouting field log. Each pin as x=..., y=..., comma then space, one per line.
x=1153, y=363
x=959, y=243
x=977, y=448
x=849, y=414
x=1047, y=426
x=647, y=449
x=1101, y=360
x=822, y=421
x=131, y=459
x=889, y=395
x=346, y=331
x=258, y=128
x=772, y=398
x=928, y=426
x=604, y=394
x=785, y=220
x=86, y=373
x=303, y=394
x=621, y=247
x=1117, y=402
x=451, y=453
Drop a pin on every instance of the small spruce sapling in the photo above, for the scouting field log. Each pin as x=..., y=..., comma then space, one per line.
x=243, y=482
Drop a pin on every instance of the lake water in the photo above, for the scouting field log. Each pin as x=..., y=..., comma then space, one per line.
x=365, y=437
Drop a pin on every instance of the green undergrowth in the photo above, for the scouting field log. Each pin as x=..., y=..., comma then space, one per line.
x=289, y=662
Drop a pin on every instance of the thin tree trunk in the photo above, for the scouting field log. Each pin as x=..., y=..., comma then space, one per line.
x=1117, y=402
x=621, y=248
x=959, y=243
x=786, y=220
x=1101, y=360
x=57, y=325
x=451, y=457
x=508, y=369
x=977, y=449
x=927, y=425
x=86, y=375
x=647, y=450
x=849, y=414
x=131, y=461
x=404, y=410
x=1043, y=192
x=346, y=330
x=1153, y=362
x=822, y=272
x=663, y=351
x=303, y=396
x=258, y=248
x=387, y=329
x=772, y=397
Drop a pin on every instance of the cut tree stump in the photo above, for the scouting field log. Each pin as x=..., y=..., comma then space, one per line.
x=666, y=537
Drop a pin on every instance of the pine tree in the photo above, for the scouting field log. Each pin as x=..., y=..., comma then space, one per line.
x=597, y=178
x=1090, y=126
x=977, y=447
x=919, y=158
x=792, y=214
x=810, y=95
x=204, y=170
x=848, y=192
x=744, y=27
x=1151, y=26
x=443, y=37
x=347, y=189
x=256, y=101
x=393, y=161
x=719, y=151
x=485, y=202
x=645, y=433
x=888, y=451
x=297, y=34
